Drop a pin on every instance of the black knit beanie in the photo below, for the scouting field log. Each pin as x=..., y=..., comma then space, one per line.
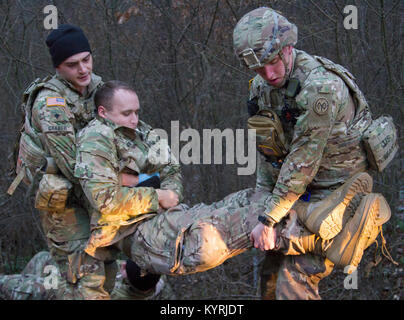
x=66, y=41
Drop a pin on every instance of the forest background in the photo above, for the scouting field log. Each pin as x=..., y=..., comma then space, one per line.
x=178, y=55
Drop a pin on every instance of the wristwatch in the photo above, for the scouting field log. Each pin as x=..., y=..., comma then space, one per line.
x=268, y=221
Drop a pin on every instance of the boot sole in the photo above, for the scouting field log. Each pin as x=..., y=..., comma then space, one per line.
x=383, y=216
x=330, y=219
x=351, y=252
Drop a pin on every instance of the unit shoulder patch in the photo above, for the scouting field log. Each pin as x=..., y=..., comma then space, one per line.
x=321, y=106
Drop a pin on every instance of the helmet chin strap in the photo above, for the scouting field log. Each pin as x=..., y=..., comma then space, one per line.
x=285, y=64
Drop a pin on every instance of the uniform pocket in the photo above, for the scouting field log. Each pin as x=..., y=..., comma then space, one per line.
x=52, y=193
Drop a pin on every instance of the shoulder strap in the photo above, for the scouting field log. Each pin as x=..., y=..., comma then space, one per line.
x=349, y=80
x=305, y=62
x=28, y=98
x=30, y=94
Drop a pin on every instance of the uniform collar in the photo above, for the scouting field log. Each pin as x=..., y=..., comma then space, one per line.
x=292, y=69
x=117, y=128
x=95, y=81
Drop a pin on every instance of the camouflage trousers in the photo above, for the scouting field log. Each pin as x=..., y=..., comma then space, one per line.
x=186, y=240
x=82, y=276
x=292, y=277
x=40, y=280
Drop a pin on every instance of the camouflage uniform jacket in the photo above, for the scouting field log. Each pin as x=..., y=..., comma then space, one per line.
x=105, y=150
x=323, y=126
x=57, y=113
x=56, y=123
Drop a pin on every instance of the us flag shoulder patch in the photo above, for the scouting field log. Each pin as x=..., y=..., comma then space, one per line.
x=55, y=102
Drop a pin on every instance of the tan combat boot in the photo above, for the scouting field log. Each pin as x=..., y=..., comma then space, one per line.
x=359, y=232
x=346, y=249
x=327, y=217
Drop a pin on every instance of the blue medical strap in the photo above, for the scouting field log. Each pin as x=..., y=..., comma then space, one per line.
x=144, y=176
x=306, y=196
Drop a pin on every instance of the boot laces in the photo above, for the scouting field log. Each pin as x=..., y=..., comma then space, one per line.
x=384, y=249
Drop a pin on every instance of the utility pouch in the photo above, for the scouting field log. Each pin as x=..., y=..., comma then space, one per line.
x=380, y=140
x=52, y=193
x=270, y=137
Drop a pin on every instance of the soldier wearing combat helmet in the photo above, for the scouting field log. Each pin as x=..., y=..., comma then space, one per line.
x=310, y=118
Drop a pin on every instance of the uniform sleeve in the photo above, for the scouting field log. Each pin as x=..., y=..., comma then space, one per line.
x=170, y=172
x=97, y=169
x=55, y=123
x=321, y=101
x=171, y=179
x=266, y=173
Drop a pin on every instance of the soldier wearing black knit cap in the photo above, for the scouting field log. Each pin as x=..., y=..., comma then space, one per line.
x=57, y=108
x=71, y=55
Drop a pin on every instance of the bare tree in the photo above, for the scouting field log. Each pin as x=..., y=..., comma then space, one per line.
x=178, y=54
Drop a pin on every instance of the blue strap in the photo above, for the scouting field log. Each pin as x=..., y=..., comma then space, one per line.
x=144, y=176
x=306, y=196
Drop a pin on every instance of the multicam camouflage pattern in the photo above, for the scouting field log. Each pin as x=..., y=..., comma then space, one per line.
x=324, y=123
x=292, y=277
x=185, y=240
x=381, y=142
x=181, y=240
x=30, y=284
x=52, y=127
x=34, y=283
x=264, y=31
x=105, y=150
x=299, y=276
x=324, y=139
x=324, y=151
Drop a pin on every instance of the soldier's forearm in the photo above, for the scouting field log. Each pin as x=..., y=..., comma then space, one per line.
x=124, y=202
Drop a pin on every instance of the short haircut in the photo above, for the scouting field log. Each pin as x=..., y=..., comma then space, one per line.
x=105, y=94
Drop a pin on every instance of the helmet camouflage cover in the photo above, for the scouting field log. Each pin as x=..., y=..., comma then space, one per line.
x=260, y=35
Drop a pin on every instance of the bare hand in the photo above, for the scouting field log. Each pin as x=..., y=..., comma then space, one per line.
x=167, y=198
x=263, y=237
x=129, y=180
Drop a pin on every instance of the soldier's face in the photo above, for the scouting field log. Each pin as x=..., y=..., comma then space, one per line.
x=274, y=71
x=77, y=70
x=124, y=109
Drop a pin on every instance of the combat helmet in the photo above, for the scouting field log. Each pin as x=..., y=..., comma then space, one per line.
x=260, y=35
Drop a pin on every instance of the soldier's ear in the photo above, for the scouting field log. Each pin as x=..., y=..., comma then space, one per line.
x=288, y=49
x=102, y=111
